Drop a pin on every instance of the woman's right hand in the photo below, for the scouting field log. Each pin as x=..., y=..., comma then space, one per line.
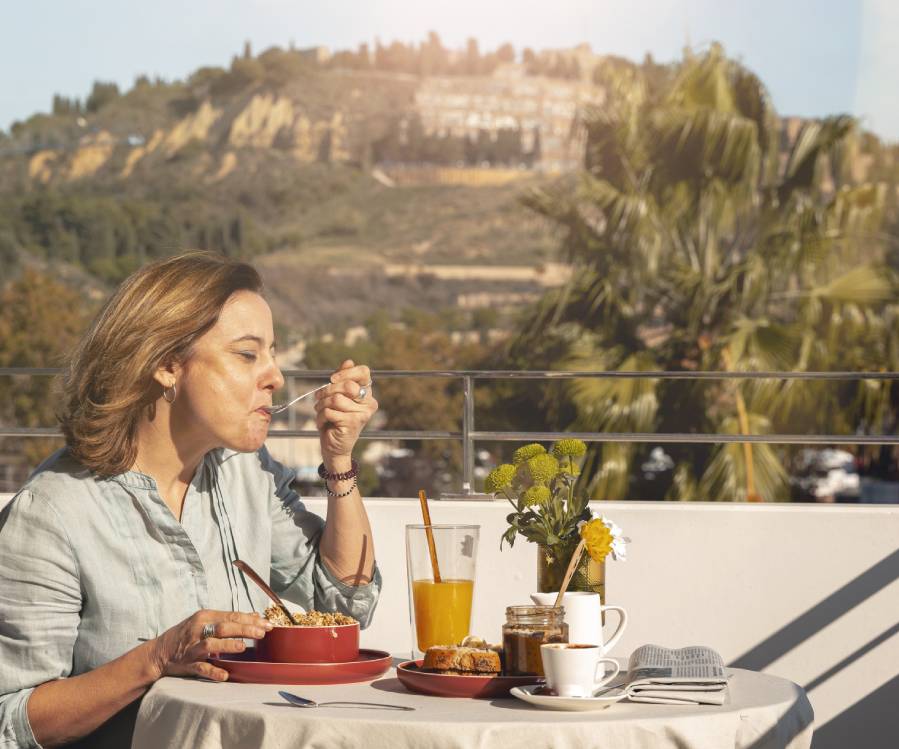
x=182, y=651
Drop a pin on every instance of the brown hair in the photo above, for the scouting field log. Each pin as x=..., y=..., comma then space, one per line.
x=151, y=320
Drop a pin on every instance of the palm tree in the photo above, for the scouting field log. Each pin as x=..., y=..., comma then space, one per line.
x=698, y=241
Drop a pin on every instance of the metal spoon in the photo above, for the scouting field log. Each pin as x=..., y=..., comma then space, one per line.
x=294, y=699
x=251, y=573
x=285, y=406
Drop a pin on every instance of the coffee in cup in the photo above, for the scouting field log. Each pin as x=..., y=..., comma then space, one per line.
x=576, y=669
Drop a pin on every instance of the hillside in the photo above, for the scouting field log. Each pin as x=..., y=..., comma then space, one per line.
x=270, y=165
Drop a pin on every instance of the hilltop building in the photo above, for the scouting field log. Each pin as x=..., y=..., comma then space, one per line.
x=510, y=99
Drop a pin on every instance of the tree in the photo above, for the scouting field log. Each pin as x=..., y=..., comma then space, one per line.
x=412, y=403
x=433, y=58
x=101, y=95
x=40, y=322
x=506, y=53
x=66, y=106
x=472, y=57
x=693, y=249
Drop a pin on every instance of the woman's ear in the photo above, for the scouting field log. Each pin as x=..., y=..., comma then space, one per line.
x=167, y=374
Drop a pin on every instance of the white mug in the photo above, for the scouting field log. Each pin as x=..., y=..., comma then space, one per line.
x=572, y=669
x=583, y=614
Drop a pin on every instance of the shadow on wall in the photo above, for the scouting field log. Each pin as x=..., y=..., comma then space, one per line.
x=873, y=721
x=852, y=727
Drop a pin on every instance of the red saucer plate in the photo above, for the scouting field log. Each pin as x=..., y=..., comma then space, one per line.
x=242, y=669
x=452, y=685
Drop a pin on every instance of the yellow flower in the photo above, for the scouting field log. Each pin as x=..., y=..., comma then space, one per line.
x=526, y=452
x=499, y=478
x=536, y=495
x=598, y=538
x=570, y=448
x=543, y=468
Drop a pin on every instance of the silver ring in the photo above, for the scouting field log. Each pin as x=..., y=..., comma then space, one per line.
x=208, y=631
x=363, y=391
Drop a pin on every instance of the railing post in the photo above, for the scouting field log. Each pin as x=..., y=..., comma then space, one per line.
x=467, y=429
x=292, y=416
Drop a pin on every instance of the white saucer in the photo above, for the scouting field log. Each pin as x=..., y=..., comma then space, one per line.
x=553, y=702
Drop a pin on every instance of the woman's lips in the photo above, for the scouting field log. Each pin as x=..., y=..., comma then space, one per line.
x=265, y=413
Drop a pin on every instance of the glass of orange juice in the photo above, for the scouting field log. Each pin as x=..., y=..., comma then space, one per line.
x=440, y=599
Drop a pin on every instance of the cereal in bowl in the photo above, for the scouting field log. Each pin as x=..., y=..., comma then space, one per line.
x=310, y=619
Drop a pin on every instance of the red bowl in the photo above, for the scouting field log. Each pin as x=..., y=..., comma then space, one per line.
x=337, y=643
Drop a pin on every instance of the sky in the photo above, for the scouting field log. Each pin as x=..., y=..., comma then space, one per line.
x=817, y=57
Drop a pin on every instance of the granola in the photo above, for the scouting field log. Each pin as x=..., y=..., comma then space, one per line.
x=310, y=619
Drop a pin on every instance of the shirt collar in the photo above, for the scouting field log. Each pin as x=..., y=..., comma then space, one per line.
x=138, y=480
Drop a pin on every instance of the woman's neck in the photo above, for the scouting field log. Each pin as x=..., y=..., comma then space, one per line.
x=170, y=463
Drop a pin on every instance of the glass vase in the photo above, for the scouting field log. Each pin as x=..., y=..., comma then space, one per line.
x=552, y=563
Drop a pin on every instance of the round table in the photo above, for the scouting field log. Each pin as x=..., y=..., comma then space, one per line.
x=762, y=711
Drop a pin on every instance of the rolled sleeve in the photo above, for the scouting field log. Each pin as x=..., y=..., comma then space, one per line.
x=40, y=604
x=357, y=601
x=16, y=730
x=297, y=570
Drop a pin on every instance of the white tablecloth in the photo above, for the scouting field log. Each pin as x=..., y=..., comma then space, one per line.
x=762, y=712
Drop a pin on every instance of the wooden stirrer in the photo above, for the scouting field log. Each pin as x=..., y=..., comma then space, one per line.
x=425, y=513
x=572, y=565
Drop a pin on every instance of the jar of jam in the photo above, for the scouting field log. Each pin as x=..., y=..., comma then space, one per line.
x=525, y=630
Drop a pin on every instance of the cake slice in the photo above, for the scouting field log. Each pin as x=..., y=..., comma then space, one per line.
x=459, y=660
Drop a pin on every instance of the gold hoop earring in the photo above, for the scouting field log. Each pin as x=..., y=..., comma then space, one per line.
x=165, y=394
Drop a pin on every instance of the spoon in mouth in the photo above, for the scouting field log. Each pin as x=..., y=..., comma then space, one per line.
x=285, y=406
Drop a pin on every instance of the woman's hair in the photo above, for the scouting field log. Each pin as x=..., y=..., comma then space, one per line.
x=152, y=320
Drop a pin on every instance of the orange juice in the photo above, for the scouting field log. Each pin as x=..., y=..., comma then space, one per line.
x=442, y=611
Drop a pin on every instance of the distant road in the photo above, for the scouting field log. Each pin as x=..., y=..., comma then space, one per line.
x=547, y=274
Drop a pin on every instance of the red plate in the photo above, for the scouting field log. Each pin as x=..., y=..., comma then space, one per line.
x=242, y=669
x=452, y=685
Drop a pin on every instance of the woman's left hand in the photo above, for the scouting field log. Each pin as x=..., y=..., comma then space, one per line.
x=343, y=409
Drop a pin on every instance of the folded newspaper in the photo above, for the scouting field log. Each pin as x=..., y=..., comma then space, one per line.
x=689, y=676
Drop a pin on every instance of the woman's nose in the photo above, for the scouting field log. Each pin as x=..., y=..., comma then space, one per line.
x=274, y=379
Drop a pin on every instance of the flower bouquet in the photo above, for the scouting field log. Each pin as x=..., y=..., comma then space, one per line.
x=551, y=512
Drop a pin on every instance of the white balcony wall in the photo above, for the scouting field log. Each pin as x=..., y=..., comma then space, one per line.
x=807, y=592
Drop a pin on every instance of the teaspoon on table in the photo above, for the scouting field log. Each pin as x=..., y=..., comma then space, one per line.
x=298, y=701
x=251, y=573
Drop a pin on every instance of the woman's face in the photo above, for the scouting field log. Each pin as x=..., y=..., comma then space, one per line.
x=229, y=377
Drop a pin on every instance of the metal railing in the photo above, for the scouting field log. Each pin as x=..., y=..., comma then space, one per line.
x=469, y=435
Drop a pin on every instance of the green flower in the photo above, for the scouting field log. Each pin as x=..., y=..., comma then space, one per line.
x=536, y=495
x=543, y=468
x=499, y=478
x=522, y=454
x=569, y=448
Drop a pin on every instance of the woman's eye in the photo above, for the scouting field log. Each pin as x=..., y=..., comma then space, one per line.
x=248, y=355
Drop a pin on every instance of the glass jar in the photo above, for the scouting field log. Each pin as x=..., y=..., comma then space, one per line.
x=525, y=630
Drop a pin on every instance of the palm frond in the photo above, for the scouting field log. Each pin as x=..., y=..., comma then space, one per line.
x=864, y=285
x=613, y=404
x=611, y=476
x=816, y=139
x=724, y=478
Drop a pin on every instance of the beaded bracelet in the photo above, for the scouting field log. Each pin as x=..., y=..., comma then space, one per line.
x=342, y=494
x=351, y=474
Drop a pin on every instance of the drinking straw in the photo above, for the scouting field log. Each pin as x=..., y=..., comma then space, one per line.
x=425, y=513
x=572, y=565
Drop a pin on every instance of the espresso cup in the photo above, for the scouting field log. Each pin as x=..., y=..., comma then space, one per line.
x=576, y=670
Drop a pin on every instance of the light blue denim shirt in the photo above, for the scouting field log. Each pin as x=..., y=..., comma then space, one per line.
x=91, y=567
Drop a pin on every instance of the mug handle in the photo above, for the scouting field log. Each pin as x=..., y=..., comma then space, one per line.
x=619, y=630
x=597, y=682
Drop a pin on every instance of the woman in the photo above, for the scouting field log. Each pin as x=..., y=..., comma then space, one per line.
x=115, y=557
